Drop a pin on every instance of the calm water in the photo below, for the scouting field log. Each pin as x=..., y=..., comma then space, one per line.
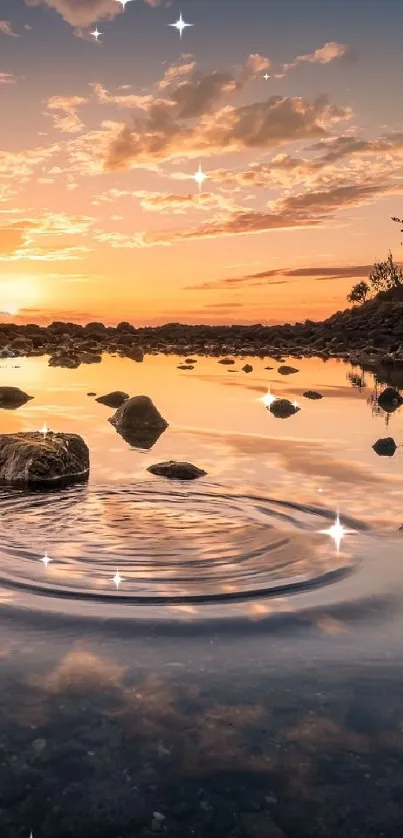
x=245, y=677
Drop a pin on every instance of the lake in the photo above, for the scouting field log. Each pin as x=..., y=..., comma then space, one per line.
x=243, y=676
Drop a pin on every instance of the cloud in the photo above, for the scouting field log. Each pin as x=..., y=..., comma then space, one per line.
x=81, y=13
x=331, y=51
x=63, y=109
x=7, y=29
x=7, y=78
x=165, y=130
x=36, y=239
x=178, y=204
x=282, y=276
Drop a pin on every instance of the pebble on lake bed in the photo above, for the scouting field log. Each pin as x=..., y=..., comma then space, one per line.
x=176, y=470
x=285, y=370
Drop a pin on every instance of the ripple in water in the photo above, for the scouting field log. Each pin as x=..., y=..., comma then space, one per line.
x=170, y=546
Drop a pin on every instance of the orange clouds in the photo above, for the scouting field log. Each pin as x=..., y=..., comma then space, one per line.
x=161, y=132
x=63, y=109
x=7, y=78
x=36, y=239
x=81, y=13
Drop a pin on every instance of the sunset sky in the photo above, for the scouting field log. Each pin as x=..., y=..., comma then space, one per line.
x=100, y=217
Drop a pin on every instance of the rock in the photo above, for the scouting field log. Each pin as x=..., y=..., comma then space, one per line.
x=70, y=362
x=247, y=368
x=13, y=397
x=39, y=745
x=91, y=394
x=136, y=353
x=390, y=399
x=285, y=370
x=190, y=360
x=43, y=460
x=385, y=447
x=114, y=399
x=177, y=470
x=139, y=422
x=185, y=367
x=226, y=361
x=269, y=368
x=283, y=408
x=312, y=394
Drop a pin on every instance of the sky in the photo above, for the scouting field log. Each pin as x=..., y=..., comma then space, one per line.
x=290, y=108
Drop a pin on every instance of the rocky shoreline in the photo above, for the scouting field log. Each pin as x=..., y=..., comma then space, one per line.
x=368, y=334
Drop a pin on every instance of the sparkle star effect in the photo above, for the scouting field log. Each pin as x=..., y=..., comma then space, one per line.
x=266, y=76
x=44, y=431
x=46, y=560
x=117, y=578
x=180, y=25
x=268, y=399
x=95, y=34
x=123, y=3
x=337, y=532
x=199, y=177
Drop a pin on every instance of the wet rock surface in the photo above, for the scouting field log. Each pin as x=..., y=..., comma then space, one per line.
x=43, y=460
x=286, y=370
x=139, y=422
x=176, y=470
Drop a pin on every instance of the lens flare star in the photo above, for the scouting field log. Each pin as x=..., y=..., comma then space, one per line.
x=180, y=25
x=337, y=532
x=268, y=399
x=199, y=177
x=95, y=34
x=46, y=560
x=266, y=76
x=44, y=431
x=123, y=3
x=117, y=579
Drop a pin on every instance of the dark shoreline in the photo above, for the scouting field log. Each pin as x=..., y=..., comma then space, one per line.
x=367, y=334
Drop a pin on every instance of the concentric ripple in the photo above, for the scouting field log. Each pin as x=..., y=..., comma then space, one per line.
x=180, y=545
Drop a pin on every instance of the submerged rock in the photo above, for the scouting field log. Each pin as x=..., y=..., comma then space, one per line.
x=177, y=470
x=91, y=393
x=114, y=399
x=226, y=361
x=139, y=422
x=185, y=367
x=312, y=394
x=283, y=408
x=135, y=353
x=13, y=397
x=385, y=447
x=37, y=459
x=190, y=360
x=248, y=368
x=285, y=370
x=390, y=399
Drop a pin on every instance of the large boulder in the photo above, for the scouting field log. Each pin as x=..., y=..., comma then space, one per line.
x=139, y=422
x=176, y=470
x=43, y=460
x=283, y=408
x=385, y=447
x=114, y=399
x=13, y=397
